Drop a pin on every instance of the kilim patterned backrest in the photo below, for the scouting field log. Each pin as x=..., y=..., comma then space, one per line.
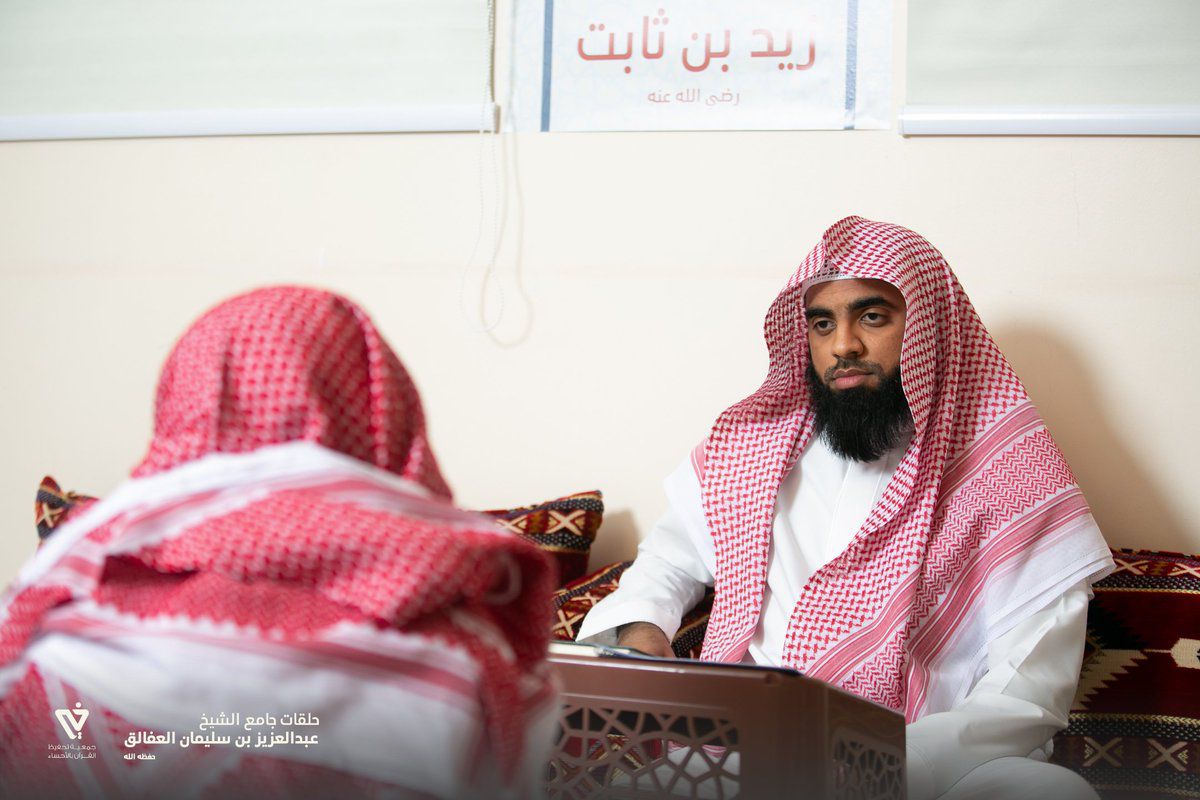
x=1135, y=724
x=652, y=729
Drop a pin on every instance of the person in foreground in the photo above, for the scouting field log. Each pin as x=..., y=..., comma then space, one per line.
x=889, y=514
x=283, y=589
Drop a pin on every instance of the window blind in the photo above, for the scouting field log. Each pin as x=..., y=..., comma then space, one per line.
x=1067, y=66
x=105, y=68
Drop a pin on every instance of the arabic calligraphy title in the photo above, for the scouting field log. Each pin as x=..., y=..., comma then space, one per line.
x=601, y=44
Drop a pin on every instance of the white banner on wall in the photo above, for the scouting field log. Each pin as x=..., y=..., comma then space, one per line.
x=625, y=65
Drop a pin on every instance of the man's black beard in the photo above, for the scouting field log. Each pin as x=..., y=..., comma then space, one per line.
x=860, y=423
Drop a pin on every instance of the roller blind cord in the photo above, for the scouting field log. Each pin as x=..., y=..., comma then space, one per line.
x=488, y=171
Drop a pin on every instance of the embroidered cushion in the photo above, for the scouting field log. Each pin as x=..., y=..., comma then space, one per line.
x=565, y=527
x=575, y=600
x=52, y=506
x=1135, y=724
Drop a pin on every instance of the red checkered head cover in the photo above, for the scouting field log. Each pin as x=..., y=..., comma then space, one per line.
x=285, y=364
x=296, y=556
x=979, y=474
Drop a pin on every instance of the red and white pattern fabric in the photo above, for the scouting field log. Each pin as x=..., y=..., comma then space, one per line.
x=981, y=524
x=288, y=545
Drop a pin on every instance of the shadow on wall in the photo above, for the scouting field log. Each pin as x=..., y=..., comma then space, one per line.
x=1130, y=509
x=617, y=540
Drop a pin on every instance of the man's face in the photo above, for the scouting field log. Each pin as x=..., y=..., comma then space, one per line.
x=855, y=330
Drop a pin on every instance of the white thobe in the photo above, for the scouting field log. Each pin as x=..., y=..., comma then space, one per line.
x=1014, y=708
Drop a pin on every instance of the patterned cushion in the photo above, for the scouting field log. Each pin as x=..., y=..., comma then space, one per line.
x=1135, y=725
x=689, y=639
x=565, y=527
x=52, y=506
x=575, y=600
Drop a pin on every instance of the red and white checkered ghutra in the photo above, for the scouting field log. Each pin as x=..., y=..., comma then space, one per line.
x=287, y=545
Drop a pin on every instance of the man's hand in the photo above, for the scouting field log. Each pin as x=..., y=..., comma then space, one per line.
x=647, y=637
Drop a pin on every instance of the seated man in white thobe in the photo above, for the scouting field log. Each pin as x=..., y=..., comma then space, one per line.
x=889, y=514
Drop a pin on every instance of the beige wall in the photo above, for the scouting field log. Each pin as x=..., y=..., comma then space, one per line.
x=648, y=261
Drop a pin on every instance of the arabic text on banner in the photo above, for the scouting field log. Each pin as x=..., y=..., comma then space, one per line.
x=624, y=65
